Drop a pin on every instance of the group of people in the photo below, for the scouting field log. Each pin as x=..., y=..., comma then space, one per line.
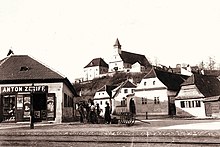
x=90, y=113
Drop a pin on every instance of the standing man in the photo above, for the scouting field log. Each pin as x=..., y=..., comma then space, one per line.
x=81, y=112
x=107, y=113
x=92, y=113
x=98, y=111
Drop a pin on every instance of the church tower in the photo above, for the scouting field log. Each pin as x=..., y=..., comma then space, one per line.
x=117, y=47
x=116, y=62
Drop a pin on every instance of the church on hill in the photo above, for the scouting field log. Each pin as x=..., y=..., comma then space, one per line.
x=120, y=61
x=127, y=61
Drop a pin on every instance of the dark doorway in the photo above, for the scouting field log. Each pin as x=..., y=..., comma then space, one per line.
x=40, y=106
x=132, y=106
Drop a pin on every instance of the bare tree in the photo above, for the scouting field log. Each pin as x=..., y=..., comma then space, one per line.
x=211, y=64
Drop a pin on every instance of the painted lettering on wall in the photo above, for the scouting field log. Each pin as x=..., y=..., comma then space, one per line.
x=15, y=89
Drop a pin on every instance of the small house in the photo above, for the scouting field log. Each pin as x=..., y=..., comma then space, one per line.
x=156, y=92
x=199, y=97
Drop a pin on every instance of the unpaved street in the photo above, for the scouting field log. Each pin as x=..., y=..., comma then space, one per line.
x=167, y=132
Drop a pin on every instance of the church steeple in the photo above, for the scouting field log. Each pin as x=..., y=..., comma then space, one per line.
x=117, y=47
x=117, y=44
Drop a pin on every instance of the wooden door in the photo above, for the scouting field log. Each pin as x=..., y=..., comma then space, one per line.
x=208, y=109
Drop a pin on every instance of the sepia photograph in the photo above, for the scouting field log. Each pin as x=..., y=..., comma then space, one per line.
x=100, y=73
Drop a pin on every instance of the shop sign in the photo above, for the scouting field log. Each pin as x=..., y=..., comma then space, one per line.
x=15, y=89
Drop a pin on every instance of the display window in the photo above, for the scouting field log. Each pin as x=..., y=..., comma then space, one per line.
x=9, y=108
x=17, y=107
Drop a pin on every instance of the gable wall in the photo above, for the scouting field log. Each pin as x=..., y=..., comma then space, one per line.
x=101, y=94
x=137, y=67
x=189, y=91
x=151, y=88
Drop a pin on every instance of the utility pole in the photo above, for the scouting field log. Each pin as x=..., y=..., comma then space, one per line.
x=32, y=109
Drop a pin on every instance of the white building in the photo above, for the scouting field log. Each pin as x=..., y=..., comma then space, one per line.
x=157, y=91
x=23, y=78
x=103, y=96
x=199, y=97
x=127, y=61
x=95, y=69
x=120, y=94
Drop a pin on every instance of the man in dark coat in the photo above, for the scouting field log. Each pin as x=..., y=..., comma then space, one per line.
x=107, y=113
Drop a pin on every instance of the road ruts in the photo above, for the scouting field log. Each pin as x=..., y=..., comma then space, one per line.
x=102, y=141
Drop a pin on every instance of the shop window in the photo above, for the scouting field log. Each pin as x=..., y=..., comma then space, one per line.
x=9, y=108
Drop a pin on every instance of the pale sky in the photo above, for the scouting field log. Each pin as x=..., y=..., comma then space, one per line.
x=67, y=34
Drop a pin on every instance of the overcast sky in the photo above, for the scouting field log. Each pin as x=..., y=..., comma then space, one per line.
x=67, y=34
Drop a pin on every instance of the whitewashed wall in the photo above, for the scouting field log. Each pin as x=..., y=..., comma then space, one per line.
x=151, y=89
x=90, y=73
x=194, y=111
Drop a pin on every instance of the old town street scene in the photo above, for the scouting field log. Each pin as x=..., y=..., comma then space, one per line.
x=114, y=73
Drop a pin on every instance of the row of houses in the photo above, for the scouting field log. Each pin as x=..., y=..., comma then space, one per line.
x=26, y=84
x=180, y=91
x=164, y=93
x=124, y=61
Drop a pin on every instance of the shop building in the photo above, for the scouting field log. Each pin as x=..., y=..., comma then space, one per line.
x=25, y=82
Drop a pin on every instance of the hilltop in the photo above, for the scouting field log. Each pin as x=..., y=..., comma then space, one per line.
x=88, y=89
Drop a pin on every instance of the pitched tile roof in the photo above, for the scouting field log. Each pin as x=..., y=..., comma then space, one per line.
x=18, y=67
x=97, y=62
x=206, y=84
x=132, y=58
x=171, y=80
x=22, y=68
